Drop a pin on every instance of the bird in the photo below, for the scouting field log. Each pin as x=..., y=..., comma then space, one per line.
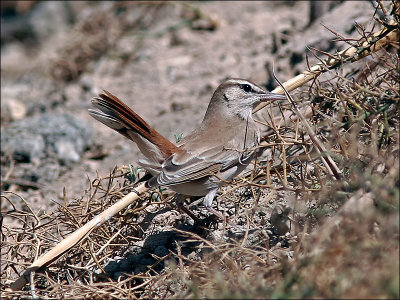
x=218, y=150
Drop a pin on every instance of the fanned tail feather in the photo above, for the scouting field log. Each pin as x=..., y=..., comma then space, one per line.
x=118, y=116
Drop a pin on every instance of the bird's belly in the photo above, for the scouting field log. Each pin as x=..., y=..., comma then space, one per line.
x=201, y=187
x=198, y=187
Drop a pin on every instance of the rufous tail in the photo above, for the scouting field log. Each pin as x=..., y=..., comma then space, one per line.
x=118, y=116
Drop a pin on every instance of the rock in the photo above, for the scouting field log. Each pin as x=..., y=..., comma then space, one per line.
x=49, y=17
x=66, y=152
x=17, y=109
x=37, y=139
x=13, y=110
x=279, y=219
x=22, y=146
x=13, y=106
x=14, y=61
x=73, y=92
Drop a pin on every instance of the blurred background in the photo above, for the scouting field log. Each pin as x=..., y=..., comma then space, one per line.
x=164, y=59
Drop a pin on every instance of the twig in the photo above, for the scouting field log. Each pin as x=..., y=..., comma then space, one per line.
x=21, y=182
x=77, y=236
x=326, y=159
x=374, y=43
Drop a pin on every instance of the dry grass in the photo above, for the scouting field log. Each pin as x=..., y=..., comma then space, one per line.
x=96, y=35
x=342, y=240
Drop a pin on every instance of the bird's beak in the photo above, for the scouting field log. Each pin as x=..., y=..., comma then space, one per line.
x=272, y=97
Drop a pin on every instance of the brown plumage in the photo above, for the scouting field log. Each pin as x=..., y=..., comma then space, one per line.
x=223, y=144
x=118, y=116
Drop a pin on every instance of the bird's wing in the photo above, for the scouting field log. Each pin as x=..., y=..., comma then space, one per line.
x=184, y=166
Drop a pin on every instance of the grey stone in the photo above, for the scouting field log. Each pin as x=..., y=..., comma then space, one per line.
x=37, y=139
x=12, y=110
x=66, y=152
x=22, y=146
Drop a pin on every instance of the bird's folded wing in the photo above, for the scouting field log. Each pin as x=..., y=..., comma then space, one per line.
x=184, y=166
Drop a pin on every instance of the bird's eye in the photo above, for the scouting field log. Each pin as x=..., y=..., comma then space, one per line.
x=246, y=87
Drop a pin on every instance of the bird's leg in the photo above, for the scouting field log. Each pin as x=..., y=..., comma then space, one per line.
x=208, y=199
x=179, y=199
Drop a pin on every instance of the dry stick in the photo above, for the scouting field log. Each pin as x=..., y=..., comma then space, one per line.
x=78, y=236
x=374, y=43
x=327, y=160
x=383, y=37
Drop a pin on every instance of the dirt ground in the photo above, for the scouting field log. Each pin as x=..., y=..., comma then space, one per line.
x=163, y=59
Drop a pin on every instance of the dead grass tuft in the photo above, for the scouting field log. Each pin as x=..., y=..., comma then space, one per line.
x=98, y=33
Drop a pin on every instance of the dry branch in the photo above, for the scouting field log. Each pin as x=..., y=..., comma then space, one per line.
x=326, y=158
x=373, y=44
x=77, y=236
